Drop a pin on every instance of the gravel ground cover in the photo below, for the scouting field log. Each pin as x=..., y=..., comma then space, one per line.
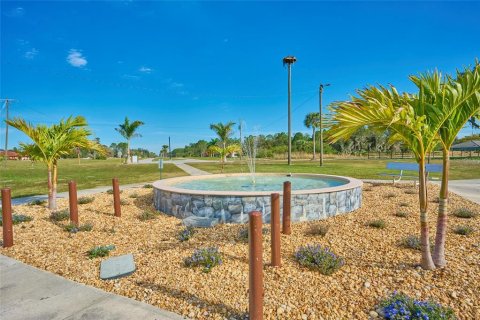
x=375, y=263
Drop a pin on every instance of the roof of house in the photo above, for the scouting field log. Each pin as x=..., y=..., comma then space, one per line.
x=10, y=153
x=471, y=145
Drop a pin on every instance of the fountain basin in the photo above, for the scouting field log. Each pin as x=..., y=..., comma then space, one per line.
x=227, y=198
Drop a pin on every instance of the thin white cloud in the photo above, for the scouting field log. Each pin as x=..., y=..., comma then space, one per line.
x=76, y=59
x=30, y=54
x=16, y=12
x=145, y=69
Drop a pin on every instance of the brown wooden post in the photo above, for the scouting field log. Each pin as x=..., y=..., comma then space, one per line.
x=275, y=229
x=72, y=197
x=7, y=218
x=255, y=299
x=116, y=197
x=287, y=203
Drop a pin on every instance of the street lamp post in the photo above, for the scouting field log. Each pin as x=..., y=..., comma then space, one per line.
x=320, y=120
x=289, y=60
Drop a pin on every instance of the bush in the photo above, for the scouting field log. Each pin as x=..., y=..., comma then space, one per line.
x=60, y=215
x=110, y=191
x=463, y=230
x=401, y=214
x=124, y=202
x=148, y=186
x=414, y=242
x=379, y=224
x=72, y=228
x=16, y=218
x=85, y=200
x=317, y=258
x=100, y=251
x=243, y=234
x=411, y=191
x=464, y=213
x=148, y=215
x=400, y=306
x=207, y=258
x=186, y=234
x=134, y=195
x=318, y=230
x=37, y=202
x=390, y=195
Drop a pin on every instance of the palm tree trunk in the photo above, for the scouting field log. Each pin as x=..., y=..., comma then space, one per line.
x=54, y=186
x=128, y=152
x=313, y=138
x=426, y=262
x=51, y=204
x=439, y=253
x=224, y=152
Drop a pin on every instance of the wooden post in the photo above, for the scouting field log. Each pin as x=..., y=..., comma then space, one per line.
x=255, y=299
x=287, y=199
x=72, y=198
x=116, y=198
x=275, y=229
x=7, y=218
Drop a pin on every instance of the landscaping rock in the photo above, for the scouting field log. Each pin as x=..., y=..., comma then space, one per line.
x=117, y=267
x=200, y=222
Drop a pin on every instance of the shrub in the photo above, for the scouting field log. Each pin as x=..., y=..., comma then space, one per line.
x=72, y=228
x=411, y=191
x=207, y=258
x=37, y=202
x=463, y=230
x=148, y=186
x=464, y=213
x=186, y=234
x=148, y=215
x=134, y=195
x=414, y=242
x=401, y=214
x=379, y=224
x=390, y=195
x=317, y=258
x=16, y=218
x=124, y=202
x=110, y=191
x=404, y=204
x=100, y=251
x=85, y=200
x=318, y=230
x=60, y=215
x=243, y=234
x=400, y=306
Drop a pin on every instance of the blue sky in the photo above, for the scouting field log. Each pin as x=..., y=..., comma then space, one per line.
x=180, y=66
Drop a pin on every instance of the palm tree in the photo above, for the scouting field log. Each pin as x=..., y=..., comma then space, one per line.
x=406, y=117
x=51, y=143
x=312, y=121
x=223, y=131
x=438, y=91
x=127, y=130
x=164, y=150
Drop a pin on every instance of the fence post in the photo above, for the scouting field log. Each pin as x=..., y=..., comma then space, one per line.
x=255, y=299
x=287, y=203
x=7, y=218
x=72, y=198
x=116, y=198
x=275, y=230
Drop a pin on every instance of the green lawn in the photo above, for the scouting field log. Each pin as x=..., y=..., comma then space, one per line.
x=27, y=178
x=365, y=169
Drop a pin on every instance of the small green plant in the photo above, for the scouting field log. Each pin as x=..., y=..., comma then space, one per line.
x=463, y=230
x=124, y=202
x=110, y=191
x=148, y=215
x=207, y=258
x=186, y=234
x=401, y=214
x=61, y=215
x=243, y=234
x=318, y=230
x=72, y=228
x=148, y=186
x=414, y=242
x=16, y=218
x=100, y=251
x=411, y=191
x=85, y=200
x=317, y=258
x=37, y=202
x=464, y=213
x=404, y=204
x=390, y=195
x=400, y=306
x=379, y=224
x=134, y=195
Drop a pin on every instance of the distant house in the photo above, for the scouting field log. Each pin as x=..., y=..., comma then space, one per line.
x=472, y=145
x=12, y=155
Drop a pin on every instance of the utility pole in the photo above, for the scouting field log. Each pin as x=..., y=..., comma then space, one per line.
x=6, y=126
x=321, y=120
x=289, y=60
x=169, y=148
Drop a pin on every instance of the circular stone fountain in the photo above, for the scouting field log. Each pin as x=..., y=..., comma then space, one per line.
x=207, y=200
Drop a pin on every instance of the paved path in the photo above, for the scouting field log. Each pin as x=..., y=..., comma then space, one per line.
x=29, y=293
x=189, y=169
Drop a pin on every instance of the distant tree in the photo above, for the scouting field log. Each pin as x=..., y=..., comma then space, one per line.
x=224, y=132
x=164, y=150
x=312, y=120
x=128, y=130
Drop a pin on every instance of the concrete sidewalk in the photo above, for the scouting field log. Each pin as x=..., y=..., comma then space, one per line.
x=29, y=293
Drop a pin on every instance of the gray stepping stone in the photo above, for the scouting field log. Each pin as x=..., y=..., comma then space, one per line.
x=117, y=267
x=200, y=222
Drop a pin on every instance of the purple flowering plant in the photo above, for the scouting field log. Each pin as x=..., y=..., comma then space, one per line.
x=317, y=258
x=207, y=258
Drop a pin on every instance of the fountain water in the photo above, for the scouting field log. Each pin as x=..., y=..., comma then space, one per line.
x=250, y=146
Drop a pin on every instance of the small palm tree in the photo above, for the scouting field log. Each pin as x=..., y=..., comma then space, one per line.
x=164, y=150
x=51, y=143
x=312, y=120
x=223, y=131
x=128, y=130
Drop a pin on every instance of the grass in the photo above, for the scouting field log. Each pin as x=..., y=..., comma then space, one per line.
x=85, y=200
x=362, y=169
x=148, y=215
x=27, y=178
x=318, y=230
x=464, y=213
x=463, y=230
x=401, y=214
x=16, y=218
x=60, y=215
x=72, y=228
x=378, y=224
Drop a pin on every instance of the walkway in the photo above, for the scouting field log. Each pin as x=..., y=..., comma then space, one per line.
x=29, y=293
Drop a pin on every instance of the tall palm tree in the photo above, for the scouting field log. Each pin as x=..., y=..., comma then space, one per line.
x=223, y=131
x=128, y=130
x=312, y=120
x=51, y=143
x=164, y=150
x=438, y=91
